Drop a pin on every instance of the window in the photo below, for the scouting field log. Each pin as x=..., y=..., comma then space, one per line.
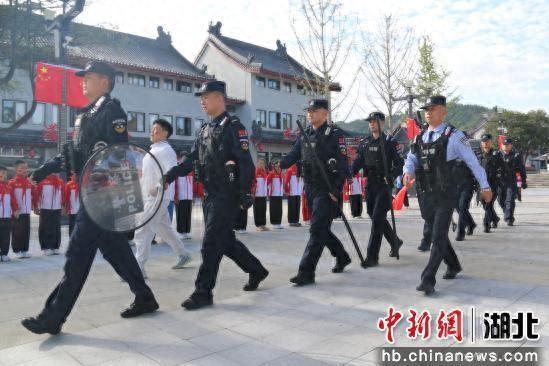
x=259, y=81
x=39, y=116
x=168, y=84
x=153, y=117
x=154, y=82
x=183, y=126
x=168, y=118
x=287, y=87
x=12, y=152
x=119, y=77
x=274, y=84
x=197, y=125
x=300, y=90
x=286, y=121
x=274, y=120
x=12, y=110
x=136, y=121
x=55, y=115
x=261, y=117
x=136, y=79
x=183, y=86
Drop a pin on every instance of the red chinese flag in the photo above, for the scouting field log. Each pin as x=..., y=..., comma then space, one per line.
x=48, y=82
x=500, y=141
x=75, y=93
x=412, y=129
x=398, y=201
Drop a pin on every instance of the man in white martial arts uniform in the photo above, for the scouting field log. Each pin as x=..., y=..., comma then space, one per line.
x=160, y=224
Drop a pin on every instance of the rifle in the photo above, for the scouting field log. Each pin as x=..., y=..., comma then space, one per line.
x=332, y=191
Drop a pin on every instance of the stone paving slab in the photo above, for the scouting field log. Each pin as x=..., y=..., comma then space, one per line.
x=331, y=323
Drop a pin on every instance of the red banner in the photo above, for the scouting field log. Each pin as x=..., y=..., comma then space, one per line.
x=412, y=129
x=75, y=93
x=500, y=141
x=48, y=82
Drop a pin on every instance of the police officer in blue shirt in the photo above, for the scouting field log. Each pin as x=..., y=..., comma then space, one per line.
x=226, y=170
x=432, y=162
x=378, y=186
x=329, y=144
x=101, y=123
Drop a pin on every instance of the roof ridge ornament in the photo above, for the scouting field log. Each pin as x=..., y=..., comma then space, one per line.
x=163, y=37
x=281, y=48
x=215, y=29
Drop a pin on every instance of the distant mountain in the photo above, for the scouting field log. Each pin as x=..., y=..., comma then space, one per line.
x=463, y=116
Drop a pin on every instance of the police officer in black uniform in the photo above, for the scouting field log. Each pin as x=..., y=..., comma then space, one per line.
x=101, y=123
x=379, y=200
x=466, y=186
x=492, y=162
x=329, y=144
x=507, y=192
x=226, y=169
x=433, y=162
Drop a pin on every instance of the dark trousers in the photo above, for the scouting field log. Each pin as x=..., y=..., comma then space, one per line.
x=86, y=238
x=490, y=214
x=260, y=211
x=5, y=235
x=465, y=195
x=241, y=219
x=183, y=214
x=437, y=212
x=49, y=229
x=219, y=240
x=356, y=204
x=507, y=195
x=321, y=207
x=20, y=233
x=294, y=206
x=275, y=210
x=377, y=205
x=427, y=239
x=72, y=221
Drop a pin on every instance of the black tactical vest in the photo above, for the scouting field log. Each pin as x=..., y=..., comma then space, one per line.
x=489, y=162
x=373, y=160
x=310, y=170
x=434, y=173
x=509, y=164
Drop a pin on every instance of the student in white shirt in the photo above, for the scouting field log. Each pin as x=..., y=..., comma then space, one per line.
x=161, y=130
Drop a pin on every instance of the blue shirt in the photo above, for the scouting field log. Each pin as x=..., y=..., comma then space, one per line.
x=458, y=148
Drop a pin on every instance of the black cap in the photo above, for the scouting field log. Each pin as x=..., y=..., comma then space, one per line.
x=316, y=104
x=211, y=86
x=98, y=67
x=435, y=100
x=375, y=116
x=507, y=141
x=486, y=137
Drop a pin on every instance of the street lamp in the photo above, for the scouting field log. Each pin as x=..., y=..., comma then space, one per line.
x=409, y=97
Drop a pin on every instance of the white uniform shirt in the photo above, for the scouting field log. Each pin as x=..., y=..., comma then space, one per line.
x=167, y=159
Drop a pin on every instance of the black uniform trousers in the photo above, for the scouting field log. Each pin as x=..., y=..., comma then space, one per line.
x=427, y=238
x=241, y=219
x=377, y=205
x=275, y=210
x=294, y=206
x=72, y=221
x=490, y=215
x=260, y=211
x=507, y=194
x=86, y=238
x=20, y=233
x=465, y=195
x=220, y=212
x=437, y=212
x=321, y=207
x=183, y=214
x=49, y=229
x=355, y=201
x=5, y=236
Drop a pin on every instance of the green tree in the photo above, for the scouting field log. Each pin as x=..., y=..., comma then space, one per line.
x=432, y=78
x=529, y=131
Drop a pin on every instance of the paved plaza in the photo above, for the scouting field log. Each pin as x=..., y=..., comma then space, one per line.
x=332, y=322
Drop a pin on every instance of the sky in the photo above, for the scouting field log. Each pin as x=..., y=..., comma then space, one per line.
x=496, y=51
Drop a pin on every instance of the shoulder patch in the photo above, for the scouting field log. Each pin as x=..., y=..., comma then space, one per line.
x=119, y=125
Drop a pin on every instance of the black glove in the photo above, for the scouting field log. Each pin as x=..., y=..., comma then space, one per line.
x=246, y=201
x=524, y=185
x=170, y=176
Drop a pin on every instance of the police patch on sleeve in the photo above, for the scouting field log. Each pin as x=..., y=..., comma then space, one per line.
x=119, y=125
x=245, y=145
